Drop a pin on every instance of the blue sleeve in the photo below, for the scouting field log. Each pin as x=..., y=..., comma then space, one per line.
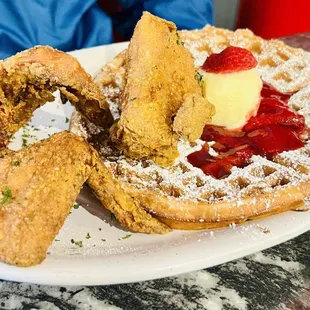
x=63, y=24
x=186, y=14
x=74, y=24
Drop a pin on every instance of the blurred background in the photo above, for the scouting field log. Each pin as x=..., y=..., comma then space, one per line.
x=75, y=24
x=266, y=18
x=225, y=13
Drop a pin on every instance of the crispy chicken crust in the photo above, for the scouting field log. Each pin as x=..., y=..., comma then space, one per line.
x=160, y=73
x=192, y=117
x=28, y=79
x=126, y=209
x=38, y=186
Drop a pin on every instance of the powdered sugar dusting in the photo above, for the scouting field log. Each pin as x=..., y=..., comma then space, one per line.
x=183, y=181
x=285, y=68
x=300, y=102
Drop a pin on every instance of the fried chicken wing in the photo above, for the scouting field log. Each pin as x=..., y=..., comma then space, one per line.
x=160, y=73
x=192, y=117
x=126, y=209
x=38, y=186
x=105, y=185
x=28, y=79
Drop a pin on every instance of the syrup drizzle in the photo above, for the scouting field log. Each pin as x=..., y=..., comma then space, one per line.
x=275, y=128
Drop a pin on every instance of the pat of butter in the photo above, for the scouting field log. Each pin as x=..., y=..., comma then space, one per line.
x=236, y=96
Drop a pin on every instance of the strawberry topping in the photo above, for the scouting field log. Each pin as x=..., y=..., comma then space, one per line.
x=275, y=128
x=231, y=59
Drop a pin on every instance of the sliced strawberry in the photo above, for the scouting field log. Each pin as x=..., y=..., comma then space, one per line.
x=274, y=139
x=200, y=157
x=218, y=169
x=269, y=92
x=220, y=166
x=212, y=133
x=274, y=129
x=231, y=59
x=271, y=111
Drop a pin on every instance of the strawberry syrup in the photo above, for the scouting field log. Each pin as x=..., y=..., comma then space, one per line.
x=275, y=128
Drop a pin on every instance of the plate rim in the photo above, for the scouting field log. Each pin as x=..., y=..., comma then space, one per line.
x=72, y=275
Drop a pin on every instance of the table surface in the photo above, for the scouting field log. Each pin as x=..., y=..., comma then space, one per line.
x=274, y=279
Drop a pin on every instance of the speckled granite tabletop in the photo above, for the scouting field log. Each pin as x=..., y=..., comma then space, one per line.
x=275, y=279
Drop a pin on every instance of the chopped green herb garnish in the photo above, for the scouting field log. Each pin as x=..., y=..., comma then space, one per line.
x=126, y=237
x=77, y=243
x=133, y=99
x=7, y=194
x=15, y=163
x=199, y=77
x=53, y=120
x=26, y=135
x=113, y=217
x=24, y=142
x=67, y=120
x=36, y=129
x=57, y=240
x=100, y=229
x=88, y=236
x=104, y=240
x=76, y=206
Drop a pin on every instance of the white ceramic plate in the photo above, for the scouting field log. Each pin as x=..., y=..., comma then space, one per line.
x=110, y=255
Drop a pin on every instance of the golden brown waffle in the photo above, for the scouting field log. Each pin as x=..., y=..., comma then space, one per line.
x=183, y=196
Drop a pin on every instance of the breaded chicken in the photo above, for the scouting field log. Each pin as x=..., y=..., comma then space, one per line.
x=192, y=116
x=160, y=73
x=128, y=212
x=126, y=209
x=28, y=79
x=38, y=186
